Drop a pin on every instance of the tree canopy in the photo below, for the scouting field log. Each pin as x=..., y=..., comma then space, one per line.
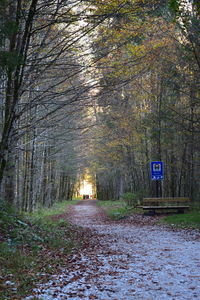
x=104, y=86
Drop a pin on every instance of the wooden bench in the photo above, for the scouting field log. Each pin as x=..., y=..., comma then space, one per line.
x=178, y=204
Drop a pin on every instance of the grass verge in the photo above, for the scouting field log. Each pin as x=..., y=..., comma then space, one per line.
x=32, y=247
x=56, y=209
x=117, y=210
x=187, y=220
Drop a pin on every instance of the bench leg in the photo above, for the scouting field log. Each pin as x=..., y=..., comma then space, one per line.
x=150, y=213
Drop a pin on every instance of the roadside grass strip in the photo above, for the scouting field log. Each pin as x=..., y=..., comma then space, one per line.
x=189, y=220
x=32, y=247
x=117, y=210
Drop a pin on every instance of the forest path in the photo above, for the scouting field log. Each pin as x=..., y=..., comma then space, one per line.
x=127, y=261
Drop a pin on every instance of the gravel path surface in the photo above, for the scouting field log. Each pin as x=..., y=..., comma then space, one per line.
x=127, y=261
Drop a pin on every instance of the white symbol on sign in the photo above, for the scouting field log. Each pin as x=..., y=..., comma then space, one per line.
x=157, y=167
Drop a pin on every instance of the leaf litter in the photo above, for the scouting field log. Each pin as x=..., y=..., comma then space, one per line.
x=125, y=260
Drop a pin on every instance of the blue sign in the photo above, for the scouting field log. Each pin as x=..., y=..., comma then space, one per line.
x=157, y=170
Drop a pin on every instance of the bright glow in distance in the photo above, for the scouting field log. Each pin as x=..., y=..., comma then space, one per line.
x=86, y=188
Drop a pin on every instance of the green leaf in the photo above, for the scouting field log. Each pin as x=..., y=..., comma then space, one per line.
x=174, y=6
x=22, y=223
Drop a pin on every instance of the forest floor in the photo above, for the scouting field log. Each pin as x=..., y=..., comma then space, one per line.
x=133, y=258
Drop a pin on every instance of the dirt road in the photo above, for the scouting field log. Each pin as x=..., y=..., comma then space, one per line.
x=127, y=261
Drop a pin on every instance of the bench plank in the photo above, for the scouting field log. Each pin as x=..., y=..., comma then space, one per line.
x=176, y=203
x=170, y=199
x=165, y=207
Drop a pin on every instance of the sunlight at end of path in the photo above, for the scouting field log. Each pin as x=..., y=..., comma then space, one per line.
x=86, y=188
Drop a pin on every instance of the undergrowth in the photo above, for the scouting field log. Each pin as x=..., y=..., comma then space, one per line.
x=31, y=248
x=117, y=210
x=57, y=208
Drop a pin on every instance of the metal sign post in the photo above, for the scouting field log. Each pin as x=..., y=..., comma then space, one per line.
x=157, y=173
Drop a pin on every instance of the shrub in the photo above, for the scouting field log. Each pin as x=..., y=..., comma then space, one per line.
x=140, y=195
x=130, y=199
